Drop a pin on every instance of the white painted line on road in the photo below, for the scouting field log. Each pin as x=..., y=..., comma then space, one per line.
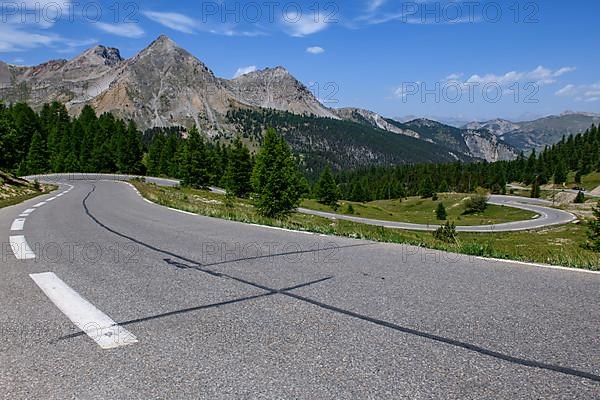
x=17, y=224
x=27, y=212
x=39, y=204
x=97, y=325
x=179, y=211
x=51, y=199
x=530, y=264
x=20, y=248
x=282, y=229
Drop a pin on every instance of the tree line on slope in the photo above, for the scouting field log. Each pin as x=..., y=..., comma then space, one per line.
x=339, y=144
x=579, y=153
x=52, y=141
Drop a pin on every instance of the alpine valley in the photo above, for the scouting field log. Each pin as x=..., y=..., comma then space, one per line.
x=166, y=86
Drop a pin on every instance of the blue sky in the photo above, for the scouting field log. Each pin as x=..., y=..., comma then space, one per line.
x=465, y=60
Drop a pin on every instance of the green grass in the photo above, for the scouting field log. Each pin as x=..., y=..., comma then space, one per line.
x=557, y=246
x=422, y=211
x=588, y=182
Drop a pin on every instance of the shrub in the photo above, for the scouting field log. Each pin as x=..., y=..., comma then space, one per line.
x=349, y=209
x=326, y=189
x=440, y=212
x=580, y=198
x=446, y=233
x=594, y=230
x=476, y=204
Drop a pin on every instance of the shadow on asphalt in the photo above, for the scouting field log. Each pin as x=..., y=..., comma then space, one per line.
x=287, y=292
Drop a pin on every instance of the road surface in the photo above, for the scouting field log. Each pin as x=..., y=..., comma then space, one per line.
x=104, y=295
x=546, y=216
x=585, y=192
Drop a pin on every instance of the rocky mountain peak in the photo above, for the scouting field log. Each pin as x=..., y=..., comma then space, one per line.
x=162, y=44
x=99, y=55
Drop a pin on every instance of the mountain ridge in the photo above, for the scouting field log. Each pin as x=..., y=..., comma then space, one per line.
x=164, y=85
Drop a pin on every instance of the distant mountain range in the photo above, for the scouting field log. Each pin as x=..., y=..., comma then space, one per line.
x=539, y=133
x=164, y=86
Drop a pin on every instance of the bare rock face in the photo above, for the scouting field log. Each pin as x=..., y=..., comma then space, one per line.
x=485, y=145
x=71, y=82
x=363, y=116
x=498, y=127
x=163, y=86
x=478, y=143
x=276, y=88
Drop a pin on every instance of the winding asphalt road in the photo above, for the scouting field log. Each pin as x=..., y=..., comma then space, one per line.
x=585, y=192
x=546, y=216
x=105, y=295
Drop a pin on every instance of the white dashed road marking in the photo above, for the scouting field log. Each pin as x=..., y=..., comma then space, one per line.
x=39, y=204
x=17, y=224
x=20, y=248
x=97, y=325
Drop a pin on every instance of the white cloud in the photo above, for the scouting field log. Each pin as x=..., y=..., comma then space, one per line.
x=233, y=32
x=14, y=39
x=375, y=4
x=315, y=50
x=586, y=93
x=244, y=70
x=185, y=24
x=175, y=21
x=407, y=88
x=129, y=30
x=568, y=90
x=540, y=76
x=300, y=24
x=454, y=77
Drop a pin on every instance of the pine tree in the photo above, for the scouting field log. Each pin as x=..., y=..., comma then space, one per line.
x=37, y=158
x=238, y=174
x=443, y=188
x=26, y=124
x=168, y=162
x=535, y=188
x=129, y=151
x=560, y=172
x=578, y=176
x=580, y=198
x=194, y=168
x=440, y=212
x=326, y=189
x=7, y=134
x=153, y=158
x=426, y=188
x=275, y=178
x=594, y=230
